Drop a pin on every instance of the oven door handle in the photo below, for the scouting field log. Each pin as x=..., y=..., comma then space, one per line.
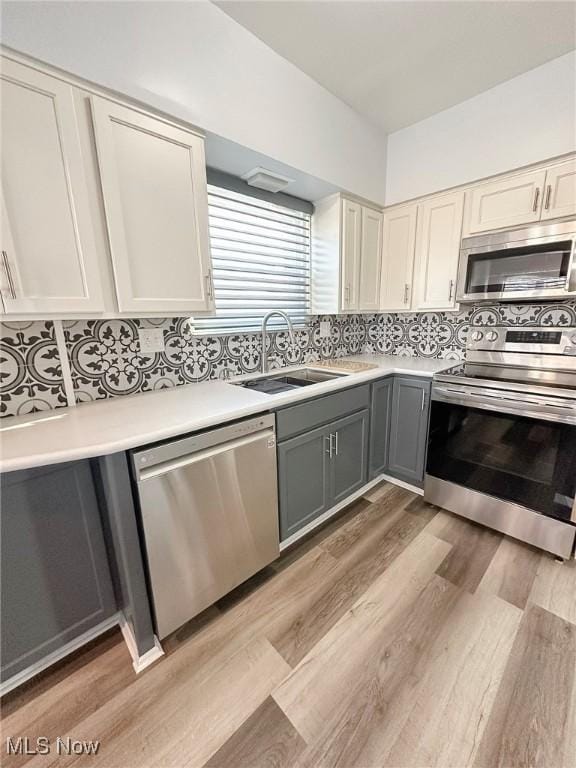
x=531, y=408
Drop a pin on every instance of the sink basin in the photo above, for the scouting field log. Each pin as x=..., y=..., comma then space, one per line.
x=274, y=384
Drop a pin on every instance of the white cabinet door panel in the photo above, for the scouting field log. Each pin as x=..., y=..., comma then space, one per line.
x=154, y=185
x=507, y=202
x=350, y=257
x=437, y=251
x=399, y=237
x=47, y=236
x=560, y=194
x=370, y=260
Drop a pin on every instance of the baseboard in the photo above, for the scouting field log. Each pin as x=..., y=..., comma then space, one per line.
x=52, y=658
x=146, y=659
x=402, y=484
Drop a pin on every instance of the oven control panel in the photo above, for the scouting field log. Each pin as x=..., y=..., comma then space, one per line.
x=541, y=340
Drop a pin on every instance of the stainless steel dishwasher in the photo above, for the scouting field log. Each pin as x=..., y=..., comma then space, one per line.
x=209, y=508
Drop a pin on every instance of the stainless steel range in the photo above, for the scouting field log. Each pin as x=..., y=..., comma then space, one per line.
x=502, y=439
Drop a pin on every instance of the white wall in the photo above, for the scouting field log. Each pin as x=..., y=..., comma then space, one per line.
x=193, y=61
x=524, y=120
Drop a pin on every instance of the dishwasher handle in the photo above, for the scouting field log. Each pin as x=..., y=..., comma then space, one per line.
x=161, y=468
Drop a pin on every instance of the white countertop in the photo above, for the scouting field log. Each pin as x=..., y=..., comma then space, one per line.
x=108, y=426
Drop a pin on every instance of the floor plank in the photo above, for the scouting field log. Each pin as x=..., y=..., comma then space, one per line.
x=512, y=571
x=555, y=587
x=180, y=724
x=449, y=706
x=267, y=739
x=473, y=548
x=530, y=722
x=361, y=559
x=392, y=501
x=312, y=695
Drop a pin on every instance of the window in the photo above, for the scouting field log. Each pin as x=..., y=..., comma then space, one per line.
x=260, y=262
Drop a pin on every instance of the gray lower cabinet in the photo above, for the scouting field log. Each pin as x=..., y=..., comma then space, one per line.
x=55, y=577
x=349, y=463
x=321, y=468
x=408, y=429
x=380, y=413
x=302, y=480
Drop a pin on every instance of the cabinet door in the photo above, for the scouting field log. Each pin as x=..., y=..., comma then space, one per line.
x=154, y=184
x=437, y=251
x=560, y=194
x=48, y=252
x=370, y=261
x=56, y=581
x=302, y=480
x=399, y=237
x=506, y=202
x=350, y=256
x=348, y=468
x=381, y=408
x=408, y=429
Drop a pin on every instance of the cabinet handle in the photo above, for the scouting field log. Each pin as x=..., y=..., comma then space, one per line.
x=347, y=295
x=336, y=443
x=423, y=400
x=451, y=291
x=406, y=292
x=329, y=438
x=548, y=193
x=6, y=265
x=536, y=198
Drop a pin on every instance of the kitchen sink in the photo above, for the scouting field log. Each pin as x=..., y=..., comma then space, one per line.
x=274, y=384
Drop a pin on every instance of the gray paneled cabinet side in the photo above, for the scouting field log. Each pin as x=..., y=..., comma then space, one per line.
x=121, y=529
x=380, y=414
x=409, y=429
x=55, y=575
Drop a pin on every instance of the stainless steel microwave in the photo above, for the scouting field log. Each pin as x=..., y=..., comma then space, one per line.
x=534, y=263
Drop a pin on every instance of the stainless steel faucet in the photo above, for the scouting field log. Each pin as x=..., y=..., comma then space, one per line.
x=290, y=333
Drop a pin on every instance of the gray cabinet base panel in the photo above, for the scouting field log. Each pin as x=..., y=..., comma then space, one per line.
x=52, y=658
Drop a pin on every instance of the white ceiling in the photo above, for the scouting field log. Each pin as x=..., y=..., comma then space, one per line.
x=399, y=62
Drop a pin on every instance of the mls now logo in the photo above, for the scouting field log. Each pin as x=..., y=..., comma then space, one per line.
x=43, y=746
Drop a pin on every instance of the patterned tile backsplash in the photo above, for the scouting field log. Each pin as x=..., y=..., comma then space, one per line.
x=30, y=369
x=106, y=361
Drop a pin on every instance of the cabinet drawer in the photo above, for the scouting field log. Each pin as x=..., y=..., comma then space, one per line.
x=301, y=418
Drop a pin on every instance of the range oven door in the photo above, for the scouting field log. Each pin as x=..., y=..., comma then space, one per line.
x=517, y=454
x=536, y=268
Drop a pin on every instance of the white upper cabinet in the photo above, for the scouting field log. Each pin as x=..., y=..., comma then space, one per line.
x=399, y=238
x=49, y=260
x=560, y=193
x=507, y=202
x=153, y=177
x=350, y=256
x=437, y=252
x=346, y=256
x=370, y=261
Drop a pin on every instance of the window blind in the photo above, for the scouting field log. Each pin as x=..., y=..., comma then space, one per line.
x=260, y=262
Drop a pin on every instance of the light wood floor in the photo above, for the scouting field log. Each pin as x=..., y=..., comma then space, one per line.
x=399, y=635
